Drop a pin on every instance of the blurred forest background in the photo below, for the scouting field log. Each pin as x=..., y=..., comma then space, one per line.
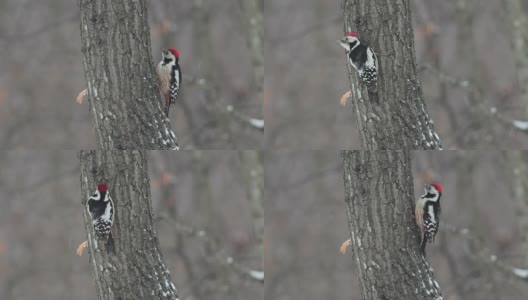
x=471, y=57
x=306, y=222
x=206, y=205
x=41, y=74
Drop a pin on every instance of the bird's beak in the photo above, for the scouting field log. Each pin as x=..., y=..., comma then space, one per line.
x=344, y=44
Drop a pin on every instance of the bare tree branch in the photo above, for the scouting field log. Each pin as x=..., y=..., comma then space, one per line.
x=485, y=255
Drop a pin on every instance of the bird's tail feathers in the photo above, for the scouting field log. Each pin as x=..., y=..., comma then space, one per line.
x=373, y=95
x=110, y=246
x=422, y=245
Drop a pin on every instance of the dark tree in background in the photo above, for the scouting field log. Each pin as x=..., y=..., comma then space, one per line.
x=400, y=121
x=385, y=240
x=121, y=82
x=137, y=270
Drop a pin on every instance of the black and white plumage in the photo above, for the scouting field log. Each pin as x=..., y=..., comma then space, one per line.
x=363, y=59
x=170, y=76
x=101, y=209
x=427, y=213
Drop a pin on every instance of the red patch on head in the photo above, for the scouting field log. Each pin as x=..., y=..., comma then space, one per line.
x=102, y=187
x=175, y=52
x=352, y=34
x=438, y=187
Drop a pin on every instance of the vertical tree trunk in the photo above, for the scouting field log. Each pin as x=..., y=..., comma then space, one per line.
x=121, y=82
x=253, y=172
x=466, y=192
x=136, y=270
x=518, y=161
x=516, y=12
x=399, y=121
x=385, y=239
x=252, y=19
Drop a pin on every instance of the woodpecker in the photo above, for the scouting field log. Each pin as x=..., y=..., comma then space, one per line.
x=363, y=59
x=427, y=213
x=170, y=76
x=101, y=209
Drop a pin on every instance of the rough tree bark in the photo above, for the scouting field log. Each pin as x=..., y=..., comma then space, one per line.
x=385, y=240
x=136, y=270
x=399, y=121
x=121, y=82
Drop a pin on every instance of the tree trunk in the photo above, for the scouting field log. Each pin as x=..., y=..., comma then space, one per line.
x=518, y=162
x=516, y=12
x=385, y=240
x=253, y=173
x=136, y=270
x=252, y=20
x=121, y=82
x=399, y=121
